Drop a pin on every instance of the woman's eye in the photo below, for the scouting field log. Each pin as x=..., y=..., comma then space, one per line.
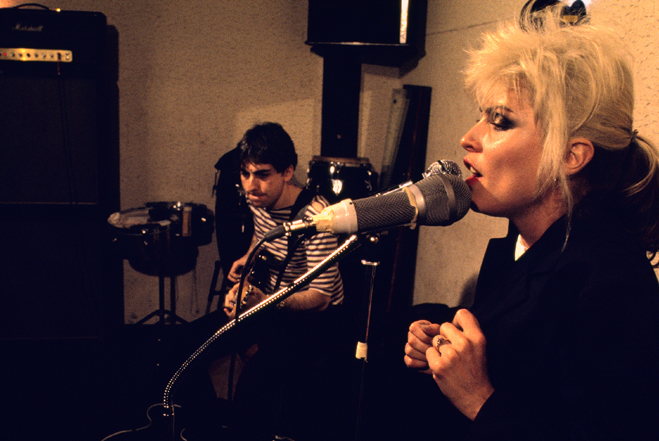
x=498, y=120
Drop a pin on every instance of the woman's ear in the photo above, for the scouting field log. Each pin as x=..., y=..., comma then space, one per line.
x=580, y=153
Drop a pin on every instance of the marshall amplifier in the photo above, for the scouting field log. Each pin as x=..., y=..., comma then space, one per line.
x=48, y=42
x=59, y=179
x=56, y=106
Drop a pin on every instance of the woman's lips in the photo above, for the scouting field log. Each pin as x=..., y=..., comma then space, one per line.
x=474, y=173
x=471, y=180
x=471, y=168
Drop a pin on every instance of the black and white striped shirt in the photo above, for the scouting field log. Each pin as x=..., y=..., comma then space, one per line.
x=307, y=255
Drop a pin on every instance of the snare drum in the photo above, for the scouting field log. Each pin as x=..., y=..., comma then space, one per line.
x=341, y=178
x=162, y=237
x=138, y=237
x=192, y=223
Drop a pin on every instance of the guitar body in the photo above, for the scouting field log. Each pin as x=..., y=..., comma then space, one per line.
x=260, y=274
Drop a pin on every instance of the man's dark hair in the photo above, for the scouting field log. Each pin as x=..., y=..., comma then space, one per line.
x=268, y=143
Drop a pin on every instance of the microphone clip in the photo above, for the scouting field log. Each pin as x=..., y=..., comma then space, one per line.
x=301, y=225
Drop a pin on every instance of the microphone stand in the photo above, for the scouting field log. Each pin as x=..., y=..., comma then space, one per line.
x=362, y=346
x=348, y=246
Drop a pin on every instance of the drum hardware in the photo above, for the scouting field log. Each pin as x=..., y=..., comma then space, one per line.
x=161, y=239
x=164, y=315
x=341, y=178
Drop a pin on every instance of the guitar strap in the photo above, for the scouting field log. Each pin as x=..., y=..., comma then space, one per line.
x=301, y=203
x=297, y=212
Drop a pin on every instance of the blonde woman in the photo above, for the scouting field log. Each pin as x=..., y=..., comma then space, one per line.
x=562, y=341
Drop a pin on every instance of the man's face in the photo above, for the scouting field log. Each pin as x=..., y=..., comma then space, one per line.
x=263, y=185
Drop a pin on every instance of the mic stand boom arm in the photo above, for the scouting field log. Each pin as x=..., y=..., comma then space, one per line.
x=348, y=246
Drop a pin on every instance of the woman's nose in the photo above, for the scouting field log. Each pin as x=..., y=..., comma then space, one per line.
x=468, y=140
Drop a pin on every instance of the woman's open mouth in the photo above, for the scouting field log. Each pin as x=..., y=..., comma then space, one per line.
x=471, y=169
x=475, y=174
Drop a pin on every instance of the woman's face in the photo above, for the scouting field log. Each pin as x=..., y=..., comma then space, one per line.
x=503, y=154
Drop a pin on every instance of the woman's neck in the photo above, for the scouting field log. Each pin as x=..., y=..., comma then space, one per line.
x=533, y=223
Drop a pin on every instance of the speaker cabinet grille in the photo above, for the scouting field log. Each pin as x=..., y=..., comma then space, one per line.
x=59, y=151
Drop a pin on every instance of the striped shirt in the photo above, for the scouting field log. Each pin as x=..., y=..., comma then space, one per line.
x=307, y=255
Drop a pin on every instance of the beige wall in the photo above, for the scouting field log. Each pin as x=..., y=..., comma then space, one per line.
x=194, y=75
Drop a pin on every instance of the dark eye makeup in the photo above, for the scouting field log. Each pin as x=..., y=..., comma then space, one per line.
x=496, y=116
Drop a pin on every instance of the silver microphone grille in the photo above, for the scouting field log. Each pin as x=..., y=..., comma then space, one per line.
x=443, y=166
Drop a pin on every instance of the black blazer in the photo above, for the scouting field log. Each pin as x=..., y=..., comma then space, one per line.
x=572, y=331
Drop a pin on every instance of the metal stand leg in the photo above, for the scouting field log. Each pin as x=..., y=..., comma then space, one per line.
x=164, y=316
x=362, y=346
x=212, y=292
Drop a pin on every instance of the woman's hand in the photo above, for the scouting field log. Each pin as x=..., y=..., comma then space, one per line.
x=419, y=340
x=458, y=363
x=251, y=296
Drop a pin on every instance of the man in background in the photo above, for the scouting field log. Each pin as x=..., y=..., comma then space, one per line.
x=292, y=383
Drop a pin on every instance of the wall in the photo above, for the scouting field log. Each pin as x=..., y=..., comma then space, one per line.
x=193, y=78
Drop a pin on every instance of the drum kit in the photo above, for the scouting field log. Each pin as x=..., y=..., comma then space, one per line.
x=161, y=239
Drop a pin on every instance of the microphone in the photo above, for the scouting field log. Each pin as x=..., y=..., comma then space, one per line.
x=442, y=166
x=439, y=199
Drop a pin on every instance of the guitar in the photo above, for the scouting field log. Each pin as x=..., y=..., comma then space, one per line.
x=264, y=262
